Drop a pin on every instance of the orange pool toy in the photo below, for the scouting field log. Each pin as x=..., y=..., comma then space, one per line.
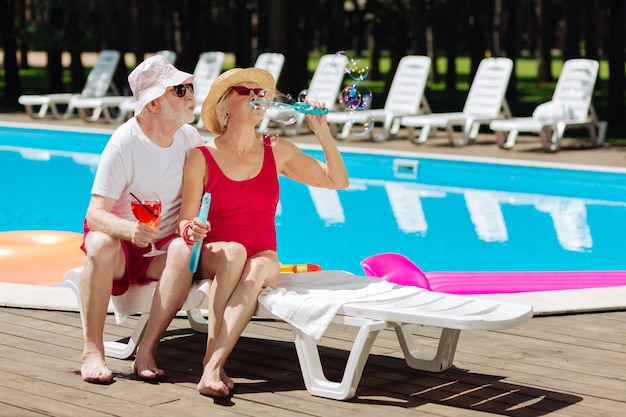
x=39, y=257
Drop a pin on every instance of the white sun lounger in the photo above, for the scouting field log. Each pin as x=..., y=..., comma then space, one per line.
x=99, y=83
x=485, y=102
x=324, y=88
x=571, y=107
x=310, y=301
x=91, y=108
x=406, y=98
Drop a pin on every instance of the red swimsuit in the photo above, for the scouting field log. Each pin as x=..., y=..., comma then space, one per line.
x=243, y=211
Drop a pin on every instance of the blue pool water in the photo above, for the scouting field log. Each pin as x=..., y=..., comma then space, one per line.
x=445, y=214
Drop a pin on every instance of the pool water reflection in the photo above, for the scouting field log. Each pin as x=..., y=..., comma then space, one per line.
x=446, y=215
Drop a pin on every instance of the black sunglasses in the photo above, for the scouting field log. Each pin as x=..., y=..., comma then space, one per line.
x=245, y=91
x=181, y=89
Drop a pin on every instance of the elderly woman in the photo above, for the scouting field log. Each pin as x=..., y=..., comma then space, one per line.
x=240, y=170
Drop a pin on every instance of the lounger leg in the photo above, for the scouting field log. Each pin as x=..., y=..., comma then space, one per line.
x=552, y=142
x=56, y=113
x=82, y=113
x=511, y=138
x=345, y=130
x=450, y=130
x=95, y=115
x=602, y=126
x=384, y=134
x=69, y=112
x=438, y=363
x=108, y=117
x=313, y=374
x=466, y=133
x=395, y=127
x=43, y=110
x=121, y=350
x=390, y=127
x=424, y=134
x=197, y=320
x=473, y=131
x=113, y=349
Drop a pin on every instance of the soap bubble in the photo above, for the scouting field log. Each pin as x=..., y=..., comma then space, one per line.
x=355, y=97
x=362, y=122
x=307, y=96
x=279, y=110
x=357, y=70
x=350, y=98
x=336, y=66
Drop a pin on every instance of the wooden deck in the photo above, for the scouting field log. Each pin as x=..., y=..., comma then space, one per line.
x=571, y=365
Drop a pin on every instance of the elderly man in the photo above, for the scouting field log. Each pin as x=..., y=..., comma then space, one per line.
x=145, y=154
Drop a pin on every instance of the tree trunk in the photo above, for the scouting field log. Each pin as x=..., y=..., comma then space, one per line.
x=512, y=46
x=54, y=69
x=244, y=36
x=543, y=36
x=451, y=41
x=616, y=61
x=374, y=49
x=77, y=70
x=591, y=30
x=295, y=74
x=478, y=11
x=431, y=51
x=571, y=31
x=12, y=87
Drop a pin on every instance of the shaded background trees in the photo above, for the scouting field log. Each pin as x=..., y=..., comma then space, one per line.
x=541, y=29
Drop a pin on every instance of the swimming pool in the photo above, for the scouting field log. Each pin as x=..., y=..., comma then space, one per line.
x=444, y=214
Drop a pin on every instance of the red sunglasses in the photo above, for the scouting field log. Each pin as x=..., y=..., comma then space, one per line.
x=245, y=91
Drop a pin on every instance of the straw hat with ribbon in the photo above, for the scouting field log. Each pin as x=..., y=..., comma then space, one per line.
x=230, y=79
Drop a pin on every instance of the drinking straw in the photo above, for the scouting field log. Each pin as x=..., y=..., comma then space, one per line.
x=143, y=205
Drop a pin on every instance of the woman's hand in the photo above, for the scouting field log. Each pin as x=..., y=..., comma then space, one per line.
x=195, y=230
x=317, y=122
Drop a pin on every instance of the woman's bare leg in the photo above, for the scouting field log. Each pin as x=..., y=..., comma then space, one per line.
x=226, y=261
x=261, y=270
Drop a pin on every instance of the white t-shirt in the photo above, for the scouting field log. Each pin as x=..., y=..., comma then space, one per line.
x=133, y=163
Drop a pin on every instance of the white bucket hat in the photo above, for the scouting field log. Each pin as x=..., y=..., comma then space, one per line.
x=150, y=79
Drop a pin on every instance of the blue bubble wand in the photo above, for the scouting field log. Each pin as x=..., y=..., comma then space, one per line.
x=283, y=107
x=203, y=214
x=299, y=106
x=306, y=108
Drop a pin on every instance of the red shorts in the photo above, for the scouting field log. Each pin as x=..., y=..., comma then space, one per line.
x=136, y=263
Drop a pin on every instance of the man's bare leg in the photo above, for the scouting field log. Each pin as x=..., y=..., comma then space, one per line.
x=95, y=288
x=169, y=296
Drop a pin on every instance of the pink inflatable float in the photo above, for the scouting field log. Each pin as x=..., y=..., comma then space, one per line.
x=399, y=269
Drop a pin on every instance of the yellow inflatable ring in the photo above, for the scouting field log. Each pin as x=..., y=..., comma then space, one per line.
x=39, y=257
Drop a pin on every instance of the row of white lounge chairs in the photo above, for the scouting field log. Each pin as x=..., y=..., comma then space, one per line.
x=100, y=98
x=406, y=106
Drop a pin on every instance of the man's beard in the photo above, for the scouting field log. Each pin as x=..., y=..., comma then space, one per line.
x=169, y=113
